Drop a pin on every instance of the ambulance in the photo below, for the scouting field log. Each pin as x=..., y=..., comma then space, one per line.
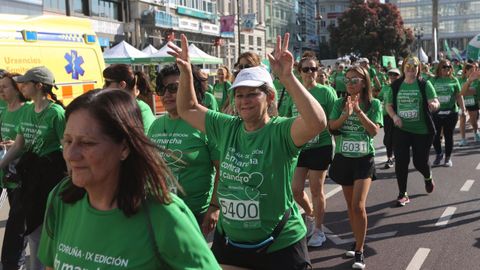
x=68, y=46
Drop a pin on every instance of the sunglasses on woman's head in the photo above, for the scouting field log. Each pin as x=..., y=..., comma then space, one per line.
x=309, y=69
x=171, y=88
x=447, y=67
x=411, y=66
x=352, y=80
x=240, y=67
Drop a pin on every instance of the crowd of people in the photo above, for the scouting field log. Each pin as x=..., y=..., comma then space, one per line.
x=103, y=183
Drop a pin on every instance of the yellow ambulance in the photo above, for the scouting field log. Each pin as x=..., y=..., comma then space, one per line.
x=68, y=46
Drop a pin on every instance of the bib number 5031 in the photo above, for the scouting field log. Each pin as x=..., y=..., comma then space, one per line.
x=240, y=210
x=354, y=147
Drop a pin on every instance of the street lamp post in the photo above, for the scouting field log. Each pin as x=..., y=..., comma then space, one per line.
x=238, y=27
x=418, y=31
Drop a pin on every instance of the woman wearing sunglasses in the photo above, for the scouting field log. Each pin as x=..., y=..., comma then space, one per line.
x=410, y=105
x=121, y=76
x=192, y=159
x=260, y=226
x=448, y=92
x=471, y=94
x=314, y=158
x=354, y=121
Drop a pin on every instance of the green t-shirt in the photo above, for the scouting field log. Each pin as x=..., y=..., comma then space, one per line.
x=147, y=115
x=354, y=141
x=382, y=96
x=447, y=90
x=338, y=79
x=220, y=91
x=42, y=131
x=326, y=99
x=471, y=100
x=189, y=157
x=256, y=170
x=410, y=106
x=282, y=101
x=3, y=106
x=78, y=236
x=9, y=121
x=210, y=102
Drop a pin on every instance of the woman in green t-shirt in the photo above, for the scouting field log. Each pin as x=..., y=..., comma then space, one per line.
x=221, y=87
x=14, y=242
x=410, y=104
x=445, y=119
x=259, y=222
x=114, y=210
x=354, y=121
x=471, y=104
x=187, y=152
x=122, y=76
x=38, y=144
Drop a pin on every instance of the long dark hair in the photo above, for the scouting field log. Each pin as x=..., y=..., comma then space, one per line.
x=123, y=72
x=366, y=94
x=48, y=90
x=172, y=70
x=9, y=77
x=143, y=173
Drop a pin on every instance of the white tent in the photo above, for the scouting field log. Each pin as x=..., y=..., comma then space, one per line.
x=202, y=57
x=162, y=54
x=150, y=50
x=124, y=53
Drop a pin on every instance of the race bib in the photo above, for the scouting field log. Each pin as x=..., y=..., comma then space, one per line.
x=218, y=95
x=240, y=210
x=354, y=147
x=444, y=99
x=408, y=114
x=469, y=101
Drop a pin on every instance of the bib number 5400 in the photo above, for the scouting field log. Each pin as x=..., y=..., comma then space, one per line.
x=240, y=210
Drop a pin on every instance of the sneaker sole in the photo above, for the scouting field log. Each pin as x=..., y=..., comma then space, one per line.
x=350, y=254
x=358, y=266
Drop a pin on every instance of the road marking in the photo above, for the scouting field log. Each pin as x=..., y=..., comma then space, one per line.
x=333, y=192
x=337, y=240
x=468, y=184
x=418, y=259
x=447, y=214
x=478, y=166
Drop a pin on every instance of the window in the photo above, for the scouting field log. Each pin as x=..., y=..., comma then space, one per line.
x=80, y=7
x=331, y=22
x=54, y=4
x=242, y=38
x=259, y=41
x=250, y=40
x=323, y=24
x=332, y=8
x=322, y=9
x=106, y=9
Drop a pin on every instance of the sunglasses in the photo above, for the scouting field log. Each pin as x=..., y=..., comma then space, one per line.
x=447, y=67
x=171, y=88
x=393, y=74
x=352, y=80
x=307, y=69
x=409, y=66
x=240, y=67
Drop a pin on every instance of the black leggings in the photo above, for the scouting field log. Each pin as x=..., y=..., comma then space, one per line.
x=447, y=124
x=420, y=145
x=388, y=136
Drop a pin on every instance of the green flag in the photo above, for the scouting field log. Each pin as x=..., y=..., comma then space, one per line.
x=447, y=49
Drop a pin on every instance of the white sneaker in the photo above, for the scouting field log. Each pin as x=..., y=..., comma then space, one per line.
x=317, y=239
x=310, y=224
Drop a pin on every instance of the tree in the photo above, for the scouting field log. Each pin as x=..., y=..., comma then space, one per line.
x=371, y=29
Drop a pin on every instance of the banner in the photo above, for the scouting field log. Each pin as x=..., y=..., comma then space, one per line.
x=248, y=22
x=389, y=61
x=447, y=49
x=227, y=26
x=457, y=54
x=473, y=48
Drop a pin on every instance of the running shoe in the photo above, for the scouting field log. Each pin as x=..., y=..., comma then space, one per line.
x=403, y=200
x=463, y=142
x=388, y=164
x=317, y=239
x=310, y=224
x=448, y=162
x=476, y=137
x=438, y=159
x=359, y=261
x=429, y=185
x=351, y=251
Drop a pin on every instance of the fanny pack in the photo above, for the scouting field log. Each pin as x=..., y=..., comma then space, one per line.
x=262, y=246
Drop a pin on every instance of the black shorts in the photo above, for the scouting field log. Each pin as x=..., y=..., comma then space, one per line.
x=292, y=257
x=473, y=108
x=316, y=158
x=345, y=170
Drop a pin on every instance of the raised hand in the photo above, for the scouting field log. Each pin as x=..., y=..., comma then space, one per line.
x=348, y=109
x=474, y=75
x=281, y=61
x=181, y=55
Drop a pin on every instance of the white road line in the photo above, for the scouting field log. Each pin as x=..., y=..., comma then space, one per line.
x=468, y=184
x=447, y=214
x=418, y=259
x=333, y=192
x=335, y=238
x=478, y=166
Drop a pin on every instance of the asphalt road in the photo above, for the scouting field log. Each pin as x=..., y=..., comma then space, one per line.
x=438, y=231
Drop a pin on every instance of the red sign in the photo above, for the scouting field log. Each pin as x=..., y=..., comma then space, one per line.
x=334, y=15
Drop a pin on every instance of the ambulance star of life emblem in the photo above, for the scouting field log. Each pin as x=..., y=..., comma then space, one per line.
x=74, y=64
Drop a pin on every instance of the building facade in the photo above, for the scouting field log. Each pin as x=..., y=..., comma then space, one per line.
x=458, y=21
